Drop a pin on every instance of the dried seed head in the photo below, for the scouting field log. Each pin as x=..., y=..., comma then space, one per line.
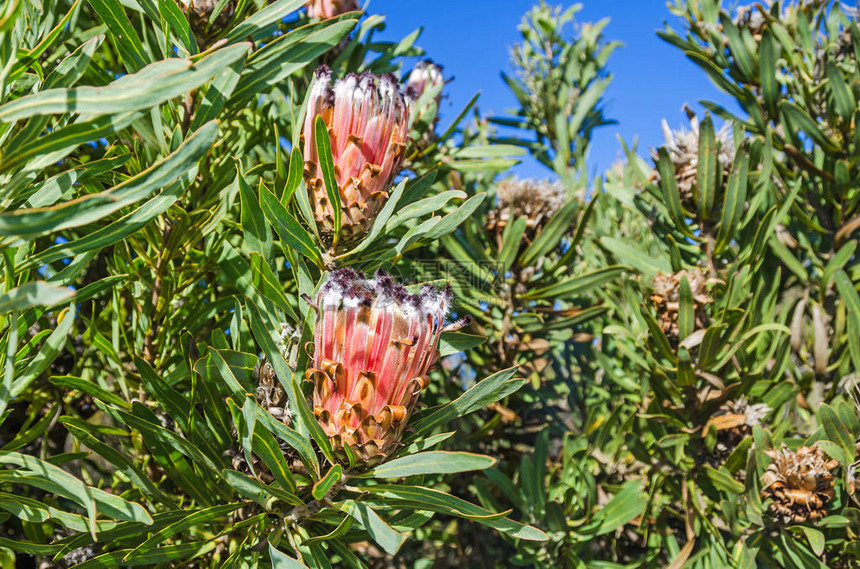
x=324, y=9
x=199, y=13
x=367, y=118
x=374, y=343
x=535, y=200
x=733, y=422
x=667, y=296
x=800, y=484
x=683, y=148
x=269, y=393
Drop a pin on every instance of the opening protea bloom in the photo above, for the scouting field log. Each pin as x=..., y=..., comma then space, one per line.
x=535, y=200
x=373, y=345
x=800, y=483
x=324, y=9
x=367, y=118
x=199, y=13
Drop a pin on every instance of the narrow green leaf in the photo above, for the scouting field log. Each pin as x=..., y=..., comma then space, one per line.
x=153, y=85
x=707, y=169
x=37, y=293
x=326, y=164
x=427, y=498
x=292, y=234
x=327, y=482
x=495, y=387
x=382, y=533
x=432, y=462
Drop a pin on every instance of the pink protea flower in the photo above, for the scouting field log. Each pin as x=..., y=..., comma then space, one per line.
x=373, y=345
x=324, y=9
x=367, y=118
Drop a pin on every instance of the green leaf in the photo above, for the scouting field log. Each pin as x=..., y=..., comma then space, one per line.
x=422, y=498
x=836, y=263
x=122, y=33
x=37, y=293
x=843, y=97
x=258, y=237
x=281, y=561
x=267, y=283
x=31, y=223
x=200, y=517
x=326, y=164
x=432, y=462
x=256, y=490
x=454, y=342
x=298, y=442
x=179, y=24
x=327, y=482
x=849, y=296
x=707, y=170
x=382, y=533
x=160, y=555
x=292, y=234
x=287, y=54
x=835, y=428
x=639, y=260
x=734, y=200
x=624, y=507
x=512, y=239
x=495, y=387
x=669, y=186
x=258, y=24
x=686, y=310
x=85, y=433
x=767, y=74
x=48, y=477
x=294, y=176
x=453, y=220
x=722, y=480
x=801, y=120
x=550, y=236
x=578, y=284
x=151, y=86
x=815, y=539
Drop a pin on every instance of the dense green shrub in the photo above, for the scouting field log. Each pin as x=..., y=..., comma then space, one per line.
x=659, y=367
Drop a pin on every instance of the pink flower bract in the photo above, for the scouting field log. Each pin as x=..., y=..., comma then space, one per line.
x=374, y=343
x=367, y=118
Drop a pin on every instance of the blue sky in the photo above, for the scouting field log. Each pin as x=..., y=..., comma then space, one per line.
x=472, y=39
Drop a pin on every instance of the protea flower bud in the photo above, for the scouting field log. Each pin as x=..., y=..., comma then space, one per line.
x=667, y=296
x=683, y=148
x=199, y=14
x=324, y=9
x=425, y=75
x=367, y=118
x=374, y=343
x=800, y=484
